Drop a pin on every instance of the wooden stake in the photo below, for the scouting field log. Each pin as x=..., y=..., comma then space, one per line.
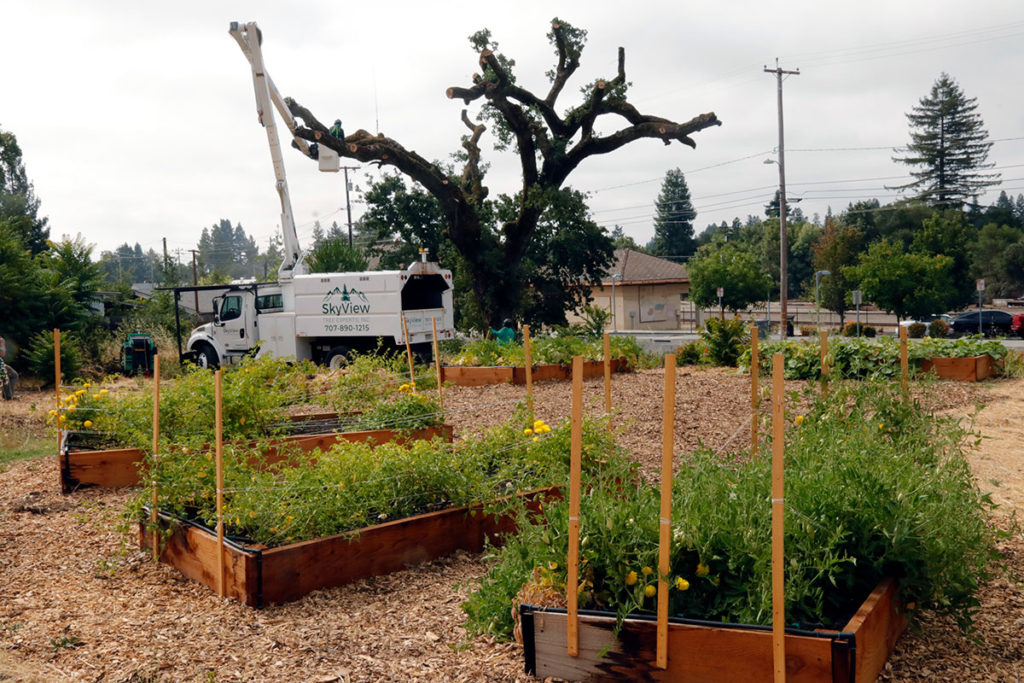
x=824, y=364
x=665, y=524
x=575, y=454
x=219, y=430
x=527, y=358
x=608, y=378
x=156, y=446
x=778, y=517
x=437, y=365
x=408, y=354
x=56, y=383
x=755, y=389
x=904, y=362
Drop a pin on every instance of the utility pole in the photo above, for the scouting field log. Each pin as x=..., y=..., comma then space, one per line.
x=195, y=278
x=166, y=261
x=783, y=239
x=348, y=206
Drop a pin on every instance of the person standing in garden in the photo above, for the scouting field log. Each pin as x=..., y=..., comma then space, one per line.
x=505, y=335
x=8, y=376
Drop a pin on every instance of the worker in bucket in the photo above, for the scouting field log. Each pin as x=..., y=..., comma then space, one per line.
x=336, y=130
x=8, y=376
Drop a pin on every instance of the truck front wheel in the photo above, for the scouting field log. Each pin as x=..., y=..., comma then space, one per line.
x=336, y=357
x=206, y=356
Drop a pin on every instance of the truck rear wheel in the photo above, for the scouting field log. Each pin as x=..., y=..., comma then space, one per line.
x=206, y=357
x=337, y=357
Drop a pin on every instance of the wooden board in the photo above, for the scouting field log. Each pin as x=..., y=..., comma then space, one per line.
x=468, y=376
x=968, y=369
x=259, y=577
x=117, y=468
x=476, y=376
x=704, y=653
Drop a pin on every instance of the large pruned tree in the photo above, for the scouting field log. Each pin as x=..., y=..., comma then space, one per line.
x=948, y=147
x=550, y=145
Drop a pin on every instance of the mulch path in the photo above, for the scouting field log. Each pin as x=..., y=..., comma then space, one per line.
x=79, y=602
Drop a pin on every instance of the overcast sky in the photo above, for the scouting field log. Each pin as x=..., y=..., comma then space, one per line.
x=137, y=120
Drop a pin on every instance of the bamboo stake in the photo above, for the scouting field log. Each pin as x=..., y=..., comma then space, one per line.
x=824, y=364
x=219, y=427
x=408, y=354
x=904, y=362
x=56, y=382
x=527, y=359
x=778, y=518
x=575, y=454
x=437, y=365
x=665, y=525
x=608, y=378
x=156, y=446
x=755, y=389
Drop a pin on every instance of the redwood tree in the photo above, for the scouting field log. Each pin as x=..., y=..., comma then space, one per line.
x=550, y=146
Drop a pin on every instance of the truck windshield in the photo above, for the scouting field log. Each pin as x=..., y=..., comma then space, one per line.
x=231, y=309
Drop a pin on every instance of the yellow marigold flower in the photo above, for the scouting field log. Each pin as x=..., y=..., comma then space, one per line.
x=538, y=424
x=650, y=590
x=702, y=569
x=881, y=426
x=552, y=565
x=799, y=420
x=61, y=419
x=682, y=584
x=630, y=578
x=536, y=438
x=545, y=429
x=647, y=571
x=241, y=421
x=527, y=431
x=404, y=387
x=52, y=413
x=288, y=519
x=104, y=392
x=87, y=385
x=87, y=424
x=80, y=392
x=72, y=408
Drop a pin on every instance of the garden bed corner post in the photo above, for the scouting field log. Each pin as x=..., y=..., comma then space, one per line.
x=408, y=354
x=575, y=454
x=665, y=522
x=56, y=384
x=528, y=362
x=219, y=430
x=608, y=378
x=904, y=362
x=755, y=390
x=437, y=365
x=778, y=518
x=156, y=447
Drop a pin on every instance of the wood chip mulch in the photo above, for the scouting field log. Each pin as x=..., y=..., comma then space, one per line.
x=76, y=603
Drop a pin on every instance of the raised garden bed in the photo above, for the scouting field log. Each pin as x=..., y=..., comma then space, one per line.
x=712, y=652
x=967, y=369
x=257, y=575
x=120, y=467
x=470, y=376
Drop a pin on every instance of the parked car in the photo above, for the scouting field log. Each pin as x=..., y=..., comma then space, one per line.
x=1018, y=324
x=992, y=323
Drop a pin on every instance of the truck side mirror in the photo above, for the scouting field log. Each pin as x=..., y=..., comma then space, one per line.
x=216, y=311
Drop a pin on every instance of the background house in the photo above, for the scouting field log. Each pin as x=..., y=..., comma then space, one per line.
x=651, y=294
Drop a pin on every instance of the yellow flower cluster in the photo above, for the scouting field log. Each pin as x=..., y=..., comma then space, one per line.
x=407, y=388
x=538, y=428
x=651, y=583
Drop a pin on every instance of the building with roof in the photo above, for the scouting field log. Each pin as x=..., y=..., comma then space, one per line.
x=650, y=293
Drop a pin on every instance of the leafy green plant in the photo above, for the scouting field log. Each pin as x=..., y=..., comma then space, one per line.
x=692, y=353
x=65, y=643
x=875, y=486
x=869, y=331
x=725, y=340
x=916, y=330
x=40, y=356
x=938, y=328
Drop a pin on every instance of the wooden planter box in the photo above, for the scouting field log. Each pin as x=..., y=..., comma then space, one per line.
x=709, y=652
x=259, y=576
x=467, y=376
x=968, y=369
x=120, y=467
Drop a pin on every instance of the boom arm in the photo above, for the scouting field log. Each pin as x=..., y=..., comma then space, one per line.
x=249, y=39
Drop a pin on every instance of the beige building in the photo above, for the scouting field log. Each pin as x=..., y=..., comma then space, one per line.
x=651, y=293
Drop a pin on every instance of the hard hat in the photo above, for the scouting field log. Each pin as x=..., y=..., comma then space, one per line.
x=337, y=122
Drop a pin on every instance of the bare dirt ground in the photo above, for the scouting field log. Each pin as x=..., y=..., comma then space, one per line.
x=76, y=603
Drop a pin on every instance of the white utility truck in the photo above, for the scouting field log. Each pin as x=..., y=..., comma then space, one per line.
x=318, y=316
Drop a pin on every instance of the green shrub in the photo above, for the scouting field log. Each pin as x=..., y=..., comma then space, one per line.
x=692, y=353
x=40, y=357
x=916, y=330
x=725, y=340
x=868, y=331
x=875, y=486
x=938, y=328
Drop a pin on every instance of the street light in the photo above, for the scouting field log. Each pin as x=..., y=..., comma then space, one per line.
x=817, y=296
x=615, y=323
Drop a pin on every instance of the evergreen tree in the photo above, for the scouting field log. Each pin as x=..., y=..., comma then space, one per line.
x=673, y=218
x=948, y=147
x=19, y=206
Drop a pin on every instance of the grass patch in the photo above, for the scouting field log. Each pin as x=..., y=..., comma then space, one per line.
x=23, y=445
